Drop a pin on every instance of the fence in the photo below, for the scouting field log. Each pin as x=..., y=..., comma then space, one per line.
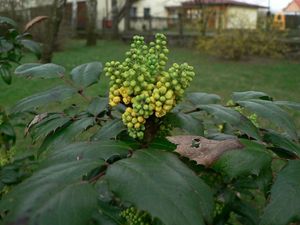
x=170, y=25
x=293, y=21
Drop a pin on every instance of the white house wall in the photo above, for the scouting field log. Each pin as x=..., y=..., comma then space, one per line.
x=157, y=8
x=241, y=17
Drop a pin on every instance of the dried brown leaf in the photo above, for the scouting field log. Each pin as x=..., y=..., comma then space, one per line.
x=34, y=21
x=202, y=150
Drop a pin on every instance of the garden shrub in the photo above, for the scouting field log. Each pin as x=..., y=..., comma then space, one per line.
x=242, y=43
x=92, y=167
x=12, y=47
x=12, y=44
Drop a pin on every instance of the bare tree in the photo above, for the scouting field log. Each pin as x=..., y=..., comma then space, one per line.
x=205, y=14
x=91, y=35
x=53, y=24
x=74, y=17
x=119, y=14
x=10, y=7
x=115, y=19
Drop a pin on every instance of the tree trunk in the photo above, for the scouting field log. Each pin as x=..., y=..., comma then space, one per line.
x=204, y=16
x=115, y=19
x=74, y=17
x=53, y=24
x=127, y=16
x=119, y=14
x=91, y=35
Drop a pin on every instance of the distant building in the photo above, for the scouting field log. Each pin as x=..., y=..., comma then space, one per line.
x=223, y=14
x=292, y=8
x=140, y=13
x=160, y=14
x=289, y=18
x=151, y=14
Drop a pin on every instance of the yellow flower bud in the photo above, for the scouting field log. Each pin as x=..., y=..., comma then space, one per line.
x=133, y=114
x=112, y=104
x=129, y=110
x=167, y=108
x=163, y=90
x=158, y=103
x=159, y=84
x=137, y=125
x=116, y=92
x=160, y=113
x=152, y=99
x=141, y=119
x=169, y=94
x=126, y=100
x=170, y=102
x=116, y=99
x=156, y=96
x=158, y=108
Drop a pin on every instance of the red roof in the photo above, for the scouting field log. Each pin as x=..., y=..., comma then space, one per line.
x=221, y=2
x=297, y=2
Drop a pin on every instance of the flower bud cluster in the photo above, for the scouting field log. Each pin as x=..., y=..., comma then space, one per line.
x=142, y=83
x=135, y=217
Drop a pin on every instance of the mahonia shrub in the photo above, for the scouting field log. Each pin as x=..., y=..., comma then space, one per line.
x=144, y=85
x=115, y=159
x=12, y=45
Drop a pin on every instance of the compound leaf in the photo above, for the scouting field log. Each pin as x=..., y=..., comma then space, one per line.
x=199, y=98
x=97, y=105
x=187, y=122
x=160, y=184
x=109, y=130
x=250, y=160
x=246, y=95
x=32, y=46
x=86, y=74
x=270, y=111
x=284, y=206
x=37, y=70
x=54, y=195
x=282, y=142
x=59, y=93
x=232, y=117
x=67, y=134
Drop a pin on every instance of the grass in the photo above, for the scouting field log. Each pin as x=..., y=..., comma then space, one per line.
x=278, y=77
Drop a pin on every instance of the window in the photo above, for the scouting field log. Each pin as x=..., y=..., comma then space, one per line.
x=147, y=12
x=133, y=12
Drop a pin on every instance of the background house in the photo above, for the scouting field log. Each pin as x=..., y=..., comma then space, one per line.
x=222, y=14
x=289, y=18
x=158, y=15
x=293, y=7
x=151, y=14
x=140, y=13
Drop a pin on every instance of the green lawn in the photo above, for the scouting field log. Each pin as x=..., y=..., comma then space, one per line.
x=278, y=77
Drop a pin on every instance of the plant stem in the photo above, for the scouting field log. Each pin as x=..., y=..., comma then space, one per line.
x=152, y=127
x=80, y=91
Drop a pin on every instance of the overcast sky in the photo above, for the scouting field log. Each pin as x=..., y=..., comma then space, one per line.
x=276, y=5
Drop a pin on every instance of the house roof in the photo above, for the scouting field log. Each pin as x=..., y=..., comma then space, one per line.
x=194, y=3
x=297, y=2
